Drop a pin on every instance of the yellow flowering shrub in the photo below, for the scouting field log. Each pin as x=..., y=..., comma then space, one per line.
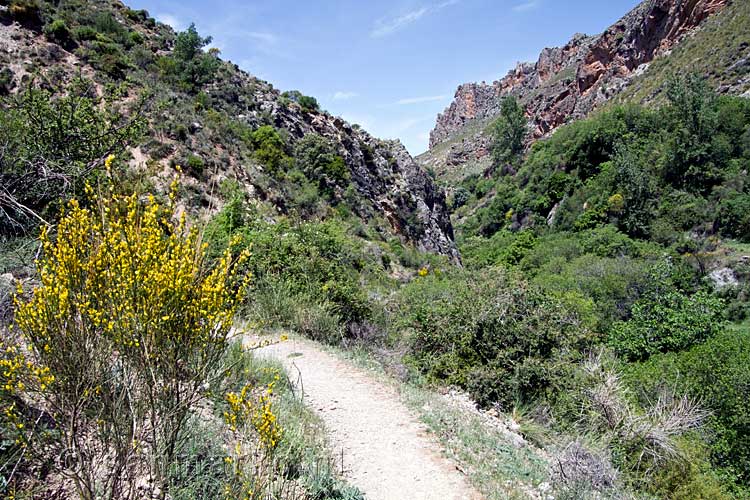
x=251, y=419
x=245, y=409
x=131, y=321
x=19, y=376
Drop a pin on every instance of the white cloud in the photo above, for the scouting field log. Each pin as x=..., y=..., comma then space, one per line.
x=419, y=100
x=344, y=96
x=387, y=26
x=264, y=37
x=523, y=7
x=171, y=20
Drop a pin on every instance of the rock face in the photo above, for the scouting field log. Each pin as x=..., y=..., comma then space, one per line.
x=568, y=82
x=387, y=182
x=383, y=172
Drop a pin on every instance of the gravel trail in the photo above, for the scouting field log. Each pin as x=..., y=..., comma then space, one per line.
x=387, y=453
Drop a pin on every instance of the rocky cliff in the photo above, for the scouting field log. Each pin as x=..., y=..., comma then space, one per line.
x=385, y=175
x=566, y=82
x=49, y=44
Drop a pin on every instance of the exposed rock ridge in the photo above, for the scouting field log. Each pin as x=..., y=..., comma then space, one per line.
x=568, y=82
x=387, y=180
x=383, y=172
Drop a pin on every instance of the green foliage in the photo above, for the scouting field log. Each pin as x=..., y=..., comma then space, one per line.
x=509, y=131
x=58, y=32
x=51, y=146
x=503, y=341
x=653, y=173
x=460, y=197
x=307, y=103
x=189, y=64
x=195, y=165
x=6, y=81
x=270, y=148
x=715, y=372
x=315, y=259
x=306, y=275
x=666, y=322
x=317, y=158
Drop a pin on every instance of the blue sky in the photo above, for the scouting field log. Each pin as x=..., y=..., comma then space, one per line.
x=390, y=65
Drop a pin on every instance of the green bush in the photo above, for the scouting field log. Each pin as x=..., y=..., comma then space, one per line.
x=307, y=103
x=270, y=148
x=6, y=81
x=84, y=33
x=497, y=337
x=58, y=31
x=715, y=373
x=666, y=322
x=317, y=158
x=306, y=275
x=195, y=165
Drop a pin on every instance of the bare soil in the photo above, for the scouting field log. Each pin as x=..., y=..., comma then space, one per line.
x=387, y=453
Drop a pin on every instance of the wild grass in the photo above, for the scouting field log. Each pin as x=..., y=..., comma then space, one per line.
x=492, y=463
x=302, y=458
x=715, y=50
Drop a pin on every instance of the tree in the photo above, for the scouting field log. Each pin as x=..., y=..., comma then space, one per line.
x=51, y=146
x=317, y=158
x=509, y=131
x=193, y=66
x=694, y=121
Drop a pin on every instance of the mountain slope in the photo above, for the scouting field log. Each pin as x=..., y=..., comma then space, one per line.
x=568, y=82
x=207, y=123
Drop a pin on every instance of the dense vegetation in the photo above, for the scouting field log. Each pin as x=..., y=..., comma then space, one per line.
x=584, y=305
x=620, y=218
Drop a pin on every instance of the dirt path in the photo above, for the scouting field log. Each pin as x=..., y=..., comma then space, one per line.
x=387, y=453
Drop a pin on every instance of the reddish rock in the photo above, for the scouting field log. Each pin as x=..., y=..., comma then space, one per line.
x=569, y=82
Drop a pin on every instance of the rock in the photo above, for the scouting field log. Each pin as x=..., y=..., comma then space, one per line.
x=388, y=181
x=568, y=82
x=723, y=278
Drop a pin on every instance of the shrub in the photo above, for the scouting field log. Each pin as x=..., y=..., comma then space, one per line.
x=714, y=372
x=501, y=339
x=645, y=442
x=270, y=148
x=51, y=146
x=6, y=81
x=307, y=103
x=305, y=276
x=460, y=197
x=83, y=33
x=130, y=322
x=195, y=165
x=666, y=322
x=58, y=32
x=317, y=158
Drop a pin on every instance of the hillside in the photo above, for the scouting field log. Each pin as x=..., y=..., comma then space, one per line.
x=568, y=82
x=206, y=126
x=210, y=288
